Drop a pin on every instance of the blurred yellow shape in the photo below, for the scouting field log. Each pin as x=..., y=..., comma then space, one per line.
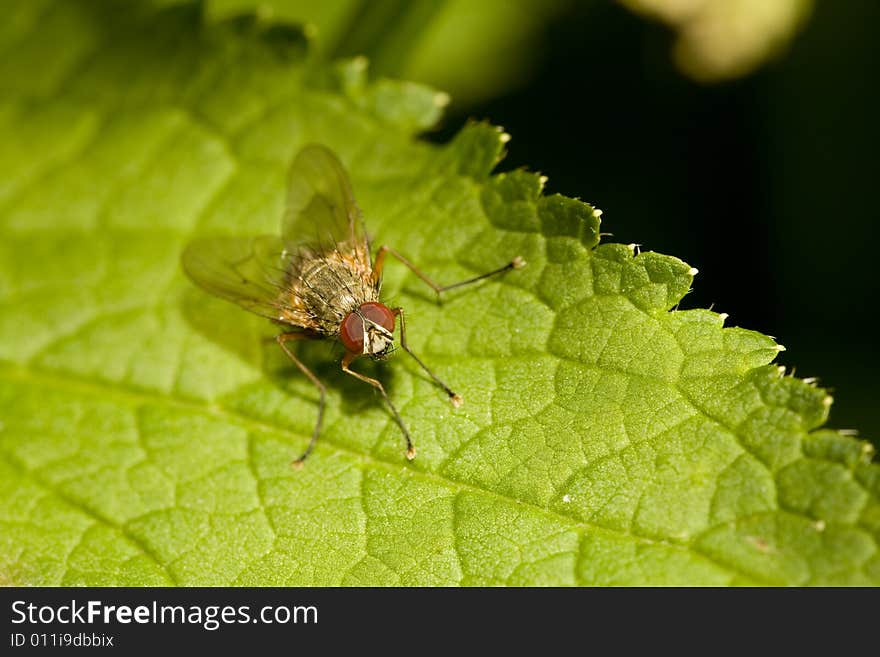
x=724, y=39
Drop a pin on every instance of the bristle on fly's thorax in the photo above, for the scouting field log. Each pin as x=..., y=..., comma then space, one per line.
x=326, y=287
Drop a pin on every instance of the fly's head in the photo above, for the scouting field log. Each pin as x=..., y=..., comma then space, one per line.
x=369, y=330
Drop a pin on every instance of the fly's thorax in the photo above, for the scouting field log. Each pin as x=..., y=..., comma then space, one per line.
x=330, y=286
x=369, y=330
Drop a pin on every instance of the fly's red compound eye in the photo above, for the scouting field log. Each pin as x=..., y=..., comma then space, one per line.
x=380, y=314
x=351, y=332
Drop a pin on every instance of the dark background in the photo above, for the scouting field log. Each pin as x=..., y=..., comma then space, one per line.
x=766, y=184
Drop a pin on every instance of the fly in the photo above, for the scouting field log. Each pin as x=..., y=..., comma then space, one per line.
x=318, y=278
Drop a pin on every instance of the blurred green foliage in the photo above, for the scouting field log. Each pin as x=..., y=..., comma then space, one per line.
x=471, y=50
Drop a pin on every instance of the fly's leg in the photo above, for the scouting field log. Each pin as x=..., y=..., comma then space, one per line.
x=346, y=361
x=453, y=397
x=293, y=337
x=516, y=263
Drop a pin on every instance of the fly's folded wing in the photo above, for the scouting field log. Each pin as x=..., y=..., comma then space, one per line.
x=253, y=272
x=321, y=209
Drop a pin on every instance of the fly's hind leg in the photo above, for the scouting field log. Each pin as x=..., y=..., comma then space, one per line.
x=516, y=263
x=453, y=397
x=293, y=337
x=346, y=361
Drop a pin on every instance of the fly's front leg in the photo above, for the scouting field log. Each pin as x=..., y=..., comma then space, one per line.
x=293, y=337
x=453, y=397
x=516, y=263
x=346, y=361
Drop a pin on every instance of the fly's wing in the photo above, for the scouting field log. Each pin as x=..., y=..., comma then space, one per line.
x=321, y=209
x=249, y=271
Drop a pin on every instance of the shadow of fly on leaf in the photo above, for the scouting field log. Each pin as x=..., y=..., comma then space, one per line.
x=318, y=279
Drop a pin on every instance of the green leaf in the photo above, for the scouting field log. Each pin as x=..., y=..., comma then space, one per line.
x=146, y=429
